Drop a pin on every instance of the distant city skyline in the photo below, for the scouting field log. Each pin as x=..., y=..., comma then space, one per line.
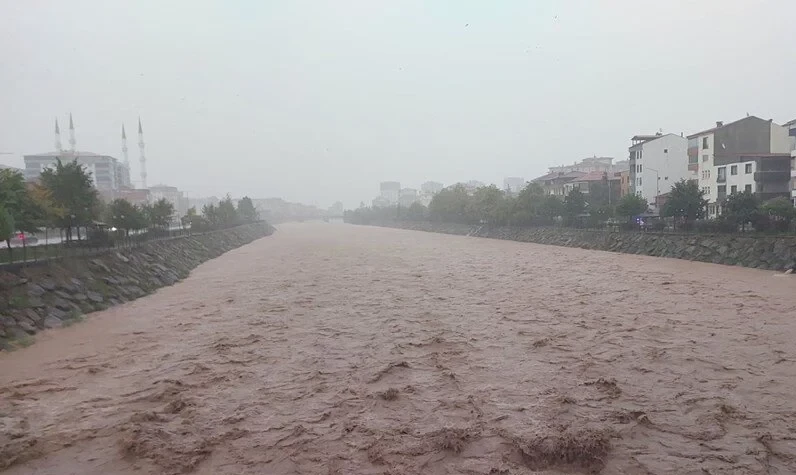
x=317, y=101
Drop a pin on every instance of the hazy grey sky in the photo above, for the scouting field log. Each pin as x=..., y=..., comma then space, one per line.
x=315, y=101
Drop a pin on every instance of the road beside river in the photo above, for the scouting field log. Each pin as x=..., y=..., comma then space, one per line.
x=337, y=349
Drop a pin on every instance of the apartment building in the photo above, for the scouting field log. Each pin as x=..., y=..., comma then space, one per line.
x=749, y=154
x=600, y=188
x=390, y=191
x=107, y=173
x=656, y=163
x=555, y=183
x=791, y=126
x=407, y=197
x=587, y=165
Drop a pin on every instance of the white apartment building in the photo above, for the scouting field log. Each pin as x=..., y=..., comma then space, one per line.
x=407, y=197
x=431, y=187
x=390, y=191
x=738, y=157
x=792, y=136
x=656, y=163
x=172, y=195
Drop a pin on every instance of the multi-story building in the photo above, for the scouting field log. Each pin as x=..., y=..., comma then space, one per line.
x=747, y=154
x=407, y=197
x=107, y=173
x=390, y=191
x=624, y=181
x=135, y=196
x=600, y=188
x=473, y=185
x=431, y=187
x=336, y=209
x=172, y=195
x=513, y=184
x=427, y=192
x=380, y=202
x=555, y=183
x=657, y=162
x=587, y=165
x=792, y=135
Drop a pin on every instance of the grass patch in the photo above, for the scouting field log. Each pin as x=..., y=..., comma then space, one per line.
x=74, y=316
x=18, y=300
x=12, y=344
x=101, y=287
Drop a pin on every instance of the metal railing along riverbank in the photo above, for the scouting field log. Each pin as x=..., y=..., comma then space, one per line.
x=100, y=243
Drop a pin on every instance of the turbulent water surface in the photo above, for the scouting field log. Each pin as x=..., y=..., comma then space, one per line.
x=334, y=349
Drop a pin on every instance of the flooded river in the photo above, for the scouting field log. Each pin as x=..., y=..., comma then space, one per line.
x=334, y=349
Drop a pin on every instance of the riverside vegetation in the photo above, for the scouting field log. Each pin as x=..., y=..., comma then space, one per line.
x=65, y=199
x=488, y=205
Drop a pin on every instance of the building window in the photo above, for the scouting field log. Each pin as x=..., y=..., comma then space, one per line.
x=748, y=188
x=704, y=143
x=639, y=168
x=722, y=173
x=734, y=170
x=666, y=150
x=734, y=189
x=704, y=158
x=748, y=169
x=722, y=189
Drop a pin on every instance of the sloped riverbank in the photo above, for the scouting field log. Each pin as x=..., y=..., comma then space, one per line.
x=60, y=292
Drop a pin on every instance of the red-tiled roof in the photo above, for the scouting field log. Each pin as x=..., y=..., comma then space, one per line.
x=597, y=176
x=554, y=175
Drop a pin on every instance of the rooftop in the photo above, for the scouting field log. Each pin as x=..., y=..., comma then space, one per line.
x=554, y=175
x=596, y=176
x=67, y=153
x=707, y=131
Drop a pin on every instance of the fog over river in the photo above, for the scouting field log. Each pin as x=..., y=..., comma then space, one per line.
x=336, y=349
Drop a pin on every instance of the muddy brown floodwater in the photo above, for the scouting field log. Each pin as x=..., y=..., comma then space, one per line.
x=335, y=349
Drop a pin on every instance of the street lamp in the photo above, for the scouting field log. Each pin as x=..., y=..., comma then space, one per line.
x=657, y=184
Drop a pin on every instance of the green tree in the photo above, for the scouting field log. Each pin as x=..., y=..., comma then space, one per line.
x=526, y=209
x=574, y=204
x=450, y=205
x=598, y=193
x=24, y=202
x=126, y=216
x=686, y=201
x=247, y=211
x=7, y=228
x=189, y=218
x=227, y=214
x=210, y=215
x=780, y=210
x=71, y=189
x=416, y=212
x=551, y=207
x=741, y=208
x=631, y=205
x=486, y=204
x=161, y=213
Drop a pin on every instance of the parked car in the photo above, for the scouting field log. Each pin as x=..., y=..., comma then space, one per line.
x=21, y=238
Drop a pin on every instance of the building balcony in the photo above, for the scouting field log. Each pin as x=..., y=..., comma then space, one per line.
x=721, y=179
x=772, y=176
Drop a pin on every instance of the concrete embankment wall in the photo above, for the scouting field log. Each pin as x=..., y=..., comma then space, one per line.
x=60, y=292
x=763, y=252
